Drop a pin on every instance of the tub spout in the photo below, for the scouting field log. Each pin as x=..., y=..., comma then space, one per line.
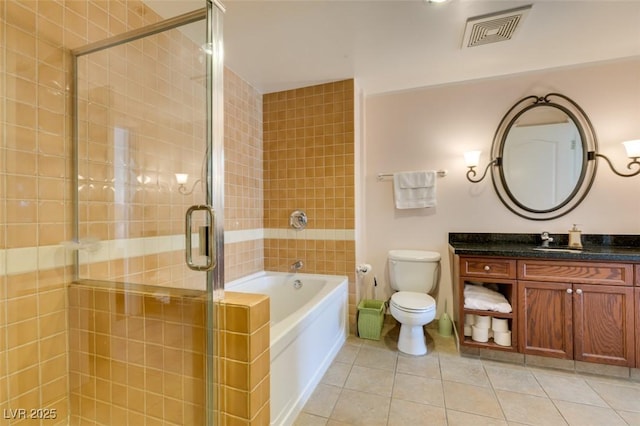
x=297, y=265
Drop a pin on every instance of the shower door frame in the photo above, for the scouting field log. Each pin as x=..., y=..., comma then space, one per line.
x=212, y=13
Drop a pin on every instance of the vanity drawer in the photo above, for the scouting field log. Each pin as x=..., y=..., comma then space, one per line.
x=576, y=272
x=487, y=267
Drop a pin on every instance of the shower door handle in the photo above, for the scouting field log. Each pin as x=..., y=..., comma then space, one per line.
x=205, y=237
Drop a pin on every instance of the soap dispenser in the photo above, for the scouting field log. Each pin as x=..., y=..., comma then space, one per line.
x=575, y=237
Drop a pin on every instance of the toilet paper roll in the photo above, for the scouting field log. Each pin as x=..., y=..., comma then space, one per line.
x=500, y=324
x=502, y=338
x=364, y=268
x=467, y=330
x=479, y=334
x=469, y=319
x=483, y=321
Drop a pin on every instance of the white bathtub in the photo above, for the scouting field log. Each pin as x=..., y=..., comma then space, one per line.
x=308, y=328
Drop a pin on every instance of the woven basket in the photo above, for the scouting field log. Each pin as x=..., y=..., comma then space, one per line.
x=370, y=318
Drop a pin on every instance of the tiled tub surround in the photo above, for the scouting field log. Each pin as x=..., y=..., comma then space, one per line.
x=309, y=165
x=610, y=261
x=242, y=359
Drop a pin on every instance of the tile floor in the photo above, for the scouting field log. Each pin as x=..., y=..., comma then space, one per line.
x=370, y=383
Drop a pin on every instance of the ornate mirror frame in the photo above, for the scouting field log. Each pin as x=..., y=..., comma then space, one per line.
x=588, y=168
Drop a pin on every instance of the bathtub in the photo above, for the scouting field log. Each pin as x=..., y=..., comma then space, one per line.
x=308, y=328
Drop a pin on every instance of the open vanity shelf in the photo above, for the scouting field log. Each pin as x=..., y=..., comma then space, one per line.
x=497, y=273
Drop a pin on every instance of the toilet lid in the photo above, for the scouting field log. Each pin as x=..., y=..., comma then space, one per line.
x=412, y=301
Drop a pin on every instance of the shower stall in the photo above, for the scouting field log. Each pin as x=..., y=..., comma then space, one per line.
x=110, y=320
x=147, y=230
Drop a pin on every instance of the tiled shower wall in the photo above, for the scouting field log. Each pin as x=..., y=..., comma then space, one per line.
x=243, y=185
x=309, y=165
x=36, y=188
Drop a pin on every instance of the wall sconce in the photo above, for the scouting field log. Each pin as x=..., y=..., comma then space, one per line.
x=182, y=179
x=633, y=152
x=472, y=160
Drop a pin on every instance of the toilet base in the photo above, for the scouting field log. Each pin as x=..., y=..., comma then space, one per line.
x=412, y=340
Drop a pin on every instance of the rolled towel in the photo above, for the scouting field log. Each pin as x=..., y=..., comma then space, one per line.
x=481, y=298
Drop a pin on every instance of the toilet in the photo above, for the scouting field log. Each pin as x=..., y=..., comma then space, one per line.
x=414, y=275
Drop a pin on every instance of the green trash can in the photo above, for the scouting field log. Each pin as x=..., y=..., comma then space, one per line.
x=370, y=318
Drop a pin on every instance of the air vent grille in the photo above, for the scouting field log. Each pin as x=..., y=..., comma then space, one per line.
x=494, y=27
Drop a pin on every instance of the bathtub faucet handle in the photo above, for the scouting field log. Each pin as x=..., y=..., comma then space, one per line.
x=297, y=265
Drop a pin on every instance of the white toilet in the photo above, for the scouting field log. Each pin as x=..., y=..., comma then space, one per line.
x=413, y=274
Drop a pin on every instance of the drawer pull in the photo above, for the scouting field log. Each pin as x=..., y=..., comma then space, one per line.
x=487, y=268
x=579, y=291
x=569, y=291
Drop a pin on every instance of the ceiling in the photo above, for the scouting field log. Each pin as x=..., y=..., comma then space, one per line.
x=398, y=45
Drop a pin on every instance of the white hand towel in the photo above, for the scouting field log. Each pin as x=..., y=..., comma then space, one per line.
x=414, y=190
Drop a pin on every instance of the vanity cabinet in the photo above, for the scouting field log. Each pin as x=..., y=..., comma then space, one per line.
x=498, y=273
x=637, y=294
x=580, y=310
x=577, y=310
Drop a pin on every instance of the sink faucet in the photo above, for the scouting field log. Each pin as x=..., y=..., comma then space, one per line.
x=546, y=239
x=297, y=265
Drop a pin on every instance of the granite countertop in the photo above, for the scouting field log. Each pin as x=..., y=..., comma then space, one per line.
x=596, y=247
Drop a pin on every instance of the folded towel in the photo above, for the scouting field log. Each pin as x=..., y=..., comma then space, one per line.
x=414, y=189
x=481, y=298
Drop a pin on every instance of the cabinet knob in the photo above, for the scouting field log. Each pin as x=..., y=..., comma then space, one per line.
x=579, y=291
x=569, y=291
x=487, y=267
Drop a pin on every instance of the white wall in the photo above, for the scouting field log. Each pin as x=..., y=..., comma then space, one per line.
x=430, y=128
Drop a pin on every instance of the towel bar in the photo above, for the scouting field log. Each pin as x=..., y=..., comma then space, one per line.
x=382, y=176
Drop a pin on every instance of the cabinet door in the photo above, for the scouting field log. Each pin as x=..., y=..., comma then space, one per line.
x=603, y=319
x=545, y=319
x=637, y=325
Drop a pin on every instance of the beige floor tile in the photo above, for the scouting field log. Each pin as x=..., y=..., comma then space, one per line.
x=322, y=400
x=358, y=408
x=425, y=366
x=514, y=379
x=464, y=370
x=588, y=415
x=372, y=380
x=618, y=396
x=306, y=419
x=337, y=374
x=566, y=387
x=529, y=409
x=403, y=413
x=418, y=389
x=348, y=353
x=459, y=418
x=632, y=418
x=376, y=358
x=471, y=399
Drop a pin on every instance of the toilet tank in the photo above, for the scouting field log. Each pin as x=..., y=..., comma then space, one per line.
x=414, y=270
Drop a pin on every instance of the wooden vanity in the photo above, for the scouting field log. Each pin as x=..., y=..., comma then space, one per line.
x=572, y=306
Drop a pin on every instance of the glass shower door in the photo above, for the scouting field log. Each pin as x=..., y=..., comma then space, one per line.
x=148, y=153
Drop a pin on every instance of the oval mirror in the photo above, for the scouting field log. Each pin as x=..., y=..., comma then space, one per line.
x=544, y=148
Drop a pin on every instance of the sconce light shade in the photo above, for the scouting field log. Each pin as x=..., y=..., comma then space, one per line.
x=632, y=148
x=182, y=178
x=472, y=158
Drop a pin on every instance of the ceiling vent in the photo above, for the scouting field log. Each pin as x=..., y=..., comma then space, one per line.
x=494, y=27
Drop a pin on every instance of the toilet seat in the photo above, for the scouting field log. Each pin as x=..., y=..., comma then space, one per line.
x=413, y=302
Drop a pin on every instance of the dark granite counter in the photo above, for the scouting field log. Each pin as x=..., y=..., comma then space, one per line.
x=596, y=247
